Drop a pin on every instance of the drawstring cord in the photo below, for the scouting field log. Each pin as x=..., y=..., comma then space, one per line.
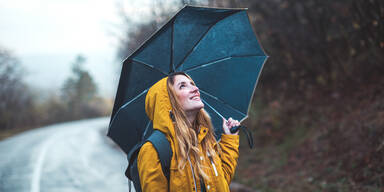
x=212, y=163
x=193, y=173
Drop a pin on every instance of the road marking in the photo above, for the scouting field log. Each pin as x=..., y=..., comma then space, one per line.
x=35, y=185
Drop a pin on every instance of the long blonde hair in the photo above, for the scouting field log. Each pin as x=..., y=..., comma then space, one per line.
x=186, y=132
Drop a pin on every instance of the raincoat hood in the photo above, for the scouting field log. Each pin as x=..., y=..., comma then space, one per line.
x=158, y=107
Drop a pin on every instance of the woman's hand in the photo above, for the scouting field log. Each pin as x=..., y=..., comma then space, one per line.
x=228, y=124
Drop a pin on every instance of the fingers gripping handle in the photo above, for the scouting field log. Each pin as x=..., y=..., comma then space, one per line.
x=246, y=132
x=235, y=129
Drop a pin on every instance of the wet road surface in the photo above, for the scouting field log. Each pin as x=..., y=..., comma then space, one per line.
x=74, y=156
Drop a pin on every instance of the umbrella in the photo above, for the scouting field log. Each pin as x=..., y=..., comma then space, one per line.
x=216, y=47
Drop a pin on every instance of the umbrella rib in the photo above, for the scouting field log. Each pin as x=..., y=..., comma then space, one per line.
x=194, y=46
x=172, y=66
x=208, y=64
x=146, y=130
x=212, y=108
x=218, y=61
x=148, y=65
x=127, y=103
x=217, y=99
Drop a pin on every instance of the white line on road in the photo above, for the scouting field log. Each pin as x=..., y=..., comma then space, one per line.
x=35, y=185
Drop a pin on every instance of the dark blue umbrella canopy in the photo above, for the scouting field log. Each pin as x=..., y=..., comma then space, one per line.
x=216, y=47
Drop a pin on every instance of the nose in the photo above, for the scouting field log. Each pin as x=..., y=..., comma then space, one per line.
x=194, y=89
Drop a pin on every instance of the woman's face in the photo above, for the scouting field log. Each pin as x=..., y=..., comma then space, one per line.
x=187, y=93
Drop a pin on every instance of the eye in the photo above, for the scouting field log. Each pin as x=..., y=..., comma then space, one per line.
x=181, y=86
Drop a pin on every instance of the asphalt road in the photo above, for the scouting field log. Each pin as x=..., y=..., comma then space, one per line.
x=70, y=157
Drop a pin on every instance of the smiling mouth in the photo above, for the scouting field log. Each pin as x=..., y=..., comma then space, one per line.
x=196, y=98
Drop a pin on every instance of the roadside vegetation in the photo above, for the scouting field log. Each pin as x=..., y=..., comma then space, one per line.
x=22, y=107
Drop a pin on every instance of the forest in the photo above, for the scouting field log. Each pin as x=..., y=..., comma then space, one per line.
x=24, y=107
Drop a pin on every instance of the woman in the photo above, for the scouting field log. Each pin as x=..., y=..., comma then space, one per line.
x=198, y=163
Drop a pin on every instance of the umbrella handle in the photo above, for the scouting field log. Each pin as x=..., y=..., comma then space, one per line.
x=246, y=132
x=235, y=129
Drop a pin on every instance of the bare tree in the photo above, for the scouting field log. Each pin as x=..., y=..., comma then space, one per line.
x=16, y=101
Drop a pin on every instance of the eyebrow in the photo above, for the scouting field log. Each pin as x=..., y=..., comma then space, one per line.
x=183, y=82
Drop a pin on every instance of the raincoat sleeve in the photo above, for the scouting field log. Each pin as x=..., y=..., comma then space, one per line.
x=229, y=145
x=150, y=171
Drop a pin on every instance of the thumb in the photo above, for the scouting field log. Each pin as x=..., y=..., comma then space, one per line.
x=224, y=121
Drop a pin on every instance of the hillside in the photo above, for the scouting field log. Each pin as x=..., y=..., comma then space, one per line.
x=324, y=142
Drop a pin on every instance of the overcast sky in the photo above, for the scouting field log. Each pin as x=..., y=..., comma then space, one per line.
x=46, y=35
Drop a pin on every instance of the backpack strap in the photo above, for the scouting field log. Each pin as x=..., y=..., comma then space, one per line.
x=164, y=150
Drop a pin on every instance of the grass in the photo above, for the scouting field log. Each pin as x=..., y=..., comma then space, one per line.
x=11, y=132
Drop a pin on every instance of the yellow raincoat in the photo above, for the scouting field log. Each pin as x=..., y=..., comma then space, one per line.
x=157, y=106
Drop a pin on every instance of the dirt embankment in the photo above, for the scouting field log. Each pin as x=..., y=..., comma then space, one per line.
x=327, y=142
